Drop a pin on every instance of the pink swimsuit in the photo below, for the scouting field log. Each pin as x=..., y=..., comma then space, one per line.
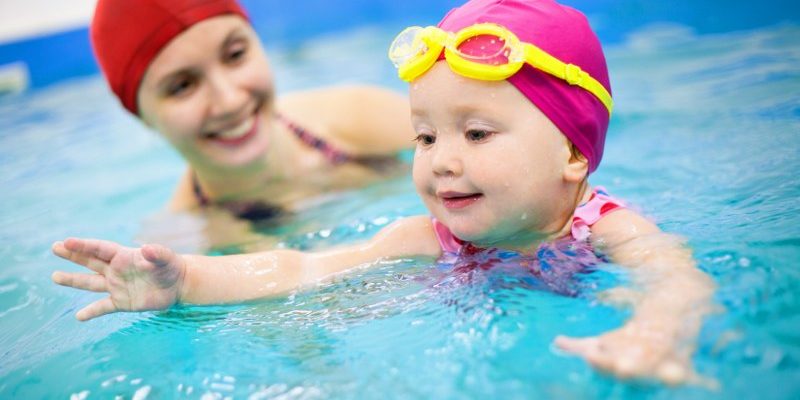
x=586, y=215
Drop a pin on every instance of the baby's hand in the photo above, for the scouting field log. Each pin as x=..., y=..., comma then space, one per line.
x=148, y=278
x=634, y=351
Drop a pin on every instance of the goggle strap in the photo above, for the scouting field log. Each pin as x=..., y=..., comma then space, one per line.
x=438, y=40
x=570, y=73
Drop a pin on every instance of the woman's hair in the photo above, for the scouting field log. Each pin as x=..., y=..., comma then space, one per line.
x=128, y=34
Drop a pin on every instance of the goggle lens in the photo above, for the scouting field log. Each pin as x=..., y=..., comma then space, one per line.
x=484, y=49
x=407, y=46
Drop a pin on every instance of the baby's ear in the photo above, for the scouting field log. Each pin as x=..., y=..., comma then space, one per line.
x=577, y=166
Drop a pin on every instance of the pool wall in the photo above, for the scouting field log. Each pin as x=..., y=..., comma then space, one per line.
x=41, y=59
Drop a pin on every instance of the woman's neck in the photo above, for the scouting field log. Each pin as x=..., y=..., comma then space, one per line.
x=281, y=157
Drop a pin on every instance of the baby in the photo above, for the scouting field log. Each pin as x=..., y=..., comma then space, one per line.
x=511, y=101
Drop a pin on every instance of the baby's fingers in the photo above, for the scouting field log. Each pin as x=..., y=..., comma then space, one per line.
x=78, y=258
x=102, y=250
x=673, y=372
x=97, y=309
x=586, y=347
x=83, y=252
x=593, y=351
x=91, y=282
x=159, y=255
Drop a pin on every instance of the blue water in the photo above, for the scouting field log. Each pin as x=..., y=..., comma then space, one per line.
x=705, y=140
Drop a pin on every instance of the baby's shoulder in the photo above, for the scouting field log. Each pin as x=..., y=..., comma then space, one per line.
x=604, y=215
x=599, y=204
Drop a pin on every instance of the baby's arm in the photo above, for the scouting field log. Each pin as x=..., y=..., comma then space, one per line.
x=153, y=277
x=674, y=296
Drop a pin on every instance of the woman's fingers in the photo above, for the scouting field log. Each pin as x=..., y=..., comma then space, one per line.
x=97, y=309
x=91, y=282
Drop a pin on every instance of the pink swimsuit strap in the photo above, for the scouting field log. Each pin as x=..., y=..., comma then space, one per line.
x=587, y=214
x=334, y=155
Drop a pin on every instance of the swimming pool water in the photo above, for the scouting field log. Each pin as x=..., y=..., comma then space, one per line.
x=705, y=140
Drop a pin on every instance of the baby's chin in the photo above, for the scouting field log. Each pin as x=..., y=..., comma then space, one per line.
x=496, y=235
x=470, y=232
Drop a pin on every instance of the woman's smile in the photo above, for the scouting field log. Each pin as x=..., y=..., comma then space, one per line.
x=236, y=135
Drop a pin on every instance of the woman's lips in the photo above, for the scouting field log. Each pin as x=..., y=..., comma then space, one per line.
x=455, y=201
x=233, y=140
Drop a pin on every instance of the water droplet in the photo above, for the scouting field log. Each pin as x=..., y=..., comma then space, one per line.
x=744, y=262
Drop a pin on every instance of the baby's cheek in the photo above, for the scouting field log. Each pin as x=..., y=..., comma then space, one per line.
x=421, y=177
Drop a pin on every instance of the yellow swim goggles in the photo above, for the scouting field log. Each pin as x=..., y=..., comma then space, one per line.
x=498, y=55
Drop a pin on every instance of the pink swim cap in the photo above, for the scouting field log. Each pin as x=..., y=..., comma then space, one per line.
x=564, y=33
x=128, y=34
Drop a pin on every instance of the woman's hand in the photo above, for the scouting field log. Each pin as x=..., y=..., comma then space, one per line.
x=147, y=278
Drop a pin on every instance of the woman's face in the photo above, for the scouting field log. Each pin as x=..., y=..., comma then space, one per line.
x=205, y=92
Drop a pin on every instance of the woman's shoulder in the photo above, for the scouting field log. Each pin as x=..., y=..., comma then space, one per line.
x=331, y=100
x=184, y=196
x=359, y=119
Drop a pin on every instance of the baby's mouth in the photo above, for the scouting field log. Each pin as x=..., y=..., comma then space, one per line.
x=457, y=200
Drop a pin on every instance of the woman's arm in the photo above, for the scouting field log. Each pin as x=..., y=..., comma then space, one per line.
x=670, y=299
x=153, y=277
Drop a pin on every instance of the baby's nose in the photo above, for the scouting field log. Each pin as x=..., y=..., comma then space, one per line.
x=447, y=161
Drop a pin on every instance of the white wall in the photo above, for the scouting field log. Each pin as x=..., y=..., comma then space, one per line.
x=27, y=18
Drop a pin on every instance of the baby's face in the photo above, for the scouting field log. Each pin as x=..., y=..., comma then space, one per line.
x=205, y=92
x=488, y=163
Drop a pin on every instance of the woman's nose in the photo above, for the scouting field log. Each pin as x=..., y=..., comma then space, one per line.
x=226, y=97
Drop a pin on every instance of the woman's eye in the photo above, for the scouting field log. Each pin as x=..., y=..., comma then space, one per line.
x=476, y=135
x=179, y=86
x=425, y=139
x=236, y=53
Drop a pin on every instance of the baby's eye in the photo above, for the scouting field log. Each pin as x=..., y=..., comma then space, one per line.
x=425, y=139
x=476, y=135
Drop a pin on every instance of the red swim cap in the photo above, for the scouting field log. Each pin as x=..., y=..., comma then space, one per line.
x=564, y=33
x=127, y=34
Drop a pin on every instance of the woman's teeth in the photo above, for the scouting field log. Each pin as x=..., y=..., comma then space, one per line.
x=234, y=133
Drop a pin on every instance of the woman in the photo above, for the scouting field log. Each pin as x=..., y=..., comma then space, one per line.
x=195, y=71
